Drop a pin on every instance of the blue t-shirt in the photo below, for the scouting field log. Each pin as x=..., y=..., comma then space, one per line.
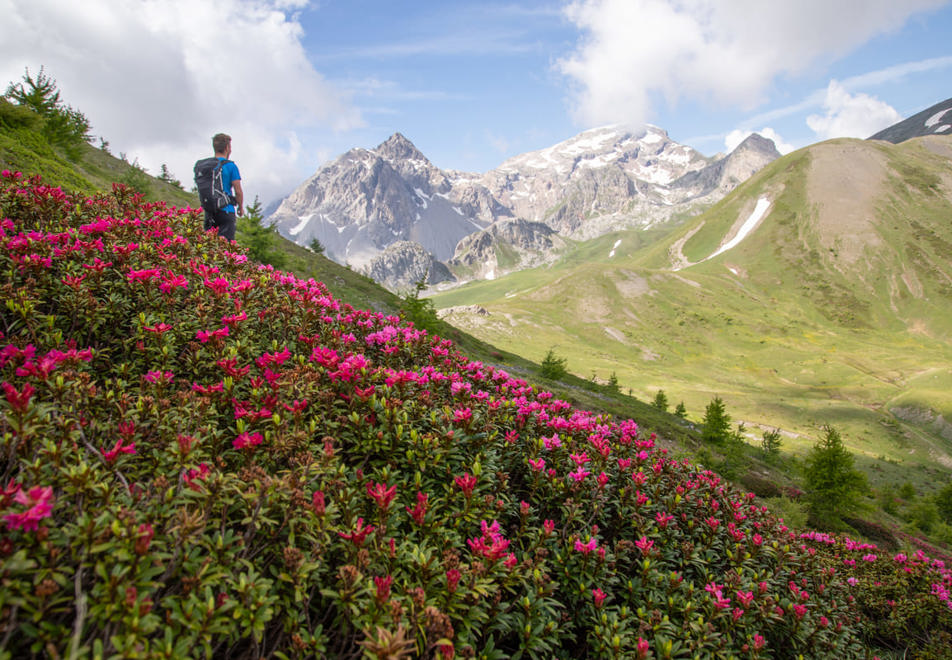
x=229, y=173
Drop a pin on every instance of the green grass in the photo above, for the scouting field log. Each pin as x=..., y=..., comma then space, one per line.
x=796, y=340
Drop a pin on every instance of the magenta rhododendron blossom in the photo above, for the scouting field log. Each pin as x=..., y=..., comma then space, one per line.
x=381, y=494
x=587, y=547
x=247, y=440
x=599, y=597
x=359, y=535
x=466, y=483
x=39, y=503
x=118, y=448
x=19, y=400
x=491, y=544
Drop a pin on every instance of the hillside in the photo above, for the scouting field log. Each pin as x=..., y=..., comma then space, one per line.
x=204, y=456
x=832, y=307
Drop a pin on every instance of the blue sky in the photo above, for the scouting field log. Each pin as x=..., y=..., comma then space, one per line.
x=472, y=82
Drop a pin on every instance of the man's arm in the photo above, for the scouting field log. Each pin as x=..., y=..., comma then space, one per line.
x=239, y=197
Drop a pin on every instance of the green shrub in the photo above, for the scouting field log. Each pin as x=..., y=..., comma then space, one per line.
x=204, y=456
x=760, y=486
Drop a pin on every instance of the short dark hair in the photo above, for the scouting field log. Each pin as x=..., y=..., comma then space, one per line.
x=220, y=142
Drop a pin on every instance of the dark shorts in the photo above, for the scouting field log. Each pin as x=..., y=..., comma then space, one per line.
x=223, y=221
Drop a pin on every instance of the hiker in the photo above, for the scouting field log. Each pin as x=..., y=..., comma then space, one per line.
x=215, y=179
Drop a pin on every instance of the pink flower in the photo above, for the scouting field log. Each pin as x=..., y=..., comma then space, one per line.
x=40, y=503
x=158, y=328
x=317, y=501
x=247, y=440
x=419, y=511
x=663, y=518
x=644, y=544
x=799, y=611
x=19, y=400
x=537, y=464
x=602, y=479
x=643, y=648
x=159, y=377
x=491, y=544
x=580, y=459
x=382, y=495
x=466, y=483
x=359, y=535
x=759, y=642
x=579, y=475
x=383, y=587
x=745, y=597
x=452, y=579
x=586, y=548
x=117, y=449
x=548, y=526
x=599, y=596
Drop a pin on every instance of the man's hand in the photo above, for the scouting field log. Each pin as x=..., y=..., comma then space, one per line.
x=239, y=198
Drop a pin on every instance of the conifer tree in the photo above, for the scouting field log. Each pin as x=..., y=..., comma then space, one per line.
x=680, y=410
x=833, y=485
x=716, y=422
x=553, y=367
x=660, y=401
x=62, y=125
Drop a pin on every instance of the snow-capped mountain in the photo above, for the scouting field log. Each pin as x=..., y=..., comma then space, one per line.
x=598, y=181
x=366, y=200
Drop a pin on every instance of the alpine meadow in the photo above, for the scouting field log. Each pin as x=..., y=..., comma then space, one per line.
x=244, y=450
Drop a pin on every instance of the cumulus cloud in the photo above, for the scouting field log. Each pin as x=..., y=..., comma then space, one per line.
x=157, y=78
x=636, y=54
x=737, y=136
x=851, y=115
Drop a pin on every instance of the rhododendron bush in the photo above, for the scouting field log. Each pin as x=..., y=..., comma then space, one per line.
x=206, y=457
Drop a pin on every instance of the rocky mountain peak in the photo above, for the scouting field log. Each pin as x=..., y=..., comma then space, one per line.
x=758, y=143
x=399, y=148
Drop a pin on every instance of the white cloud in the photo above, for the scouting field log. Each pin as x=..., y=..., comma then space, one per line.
x=737, y=136
x=851, y=115
x=157, y=78
x=636, y=54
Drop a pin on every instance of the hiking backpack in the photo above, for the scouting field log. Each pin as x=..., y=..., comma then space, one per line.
x=211, y=192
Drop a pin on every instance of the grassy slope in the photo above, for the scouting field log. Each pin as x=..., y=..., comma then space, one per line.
x=796, y=339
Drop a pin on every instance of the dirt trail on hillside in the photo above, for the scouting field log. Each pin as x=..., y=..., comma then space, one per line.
x=844, y=181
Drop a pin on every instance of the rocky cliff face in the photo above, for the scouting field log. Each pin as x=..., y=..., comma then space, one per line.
x=511, y=217
x=404, y=263
x=506, y=246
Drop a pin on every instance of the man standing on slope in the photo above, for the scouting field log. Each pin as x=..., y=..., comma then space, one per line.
x=224, y=219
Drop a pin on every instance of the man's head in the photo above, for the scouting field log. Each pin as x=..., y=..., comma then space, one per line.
x=221, y=143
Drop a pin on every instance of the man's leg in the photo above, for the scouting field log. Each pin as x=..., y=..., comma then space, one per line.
x=227, y=222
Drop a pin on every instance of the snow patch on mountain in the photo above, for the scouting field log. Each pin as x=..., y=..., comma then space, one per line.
x=755, y=217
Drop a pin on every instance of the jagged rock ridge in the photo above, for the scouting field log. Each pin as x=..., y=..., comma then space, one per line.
x=510, y=218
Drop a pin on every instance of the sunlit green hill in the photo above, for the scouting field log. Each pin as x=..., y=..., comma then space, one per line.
x=832, y=308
